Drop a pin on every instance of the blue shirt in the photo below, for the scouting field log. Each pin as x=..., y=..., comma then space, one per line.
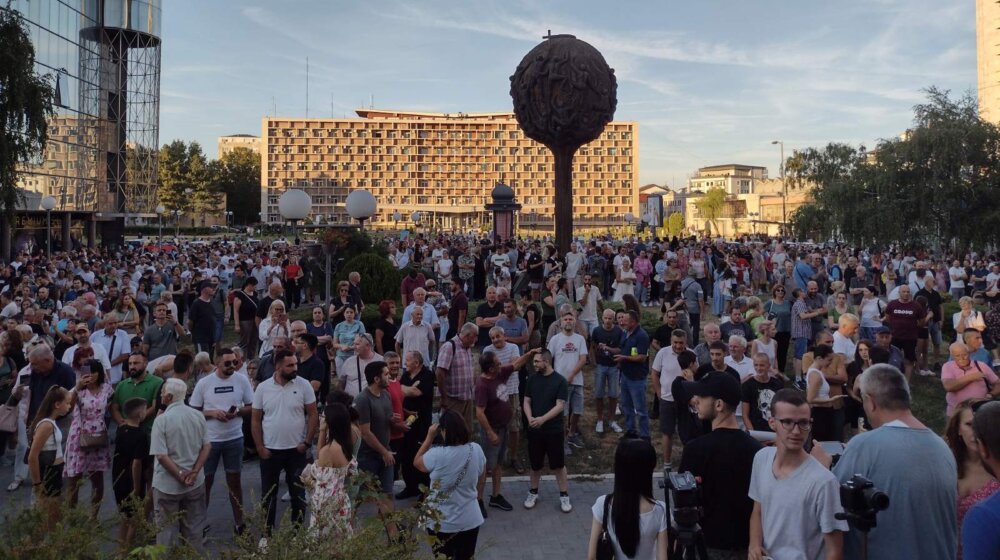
x=980, y=537
x=638, y=341
x=803, y=273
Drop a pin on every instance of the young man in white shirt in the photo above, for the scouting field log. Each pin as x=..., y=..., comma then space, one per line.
x=796, y=498
x=569, y=354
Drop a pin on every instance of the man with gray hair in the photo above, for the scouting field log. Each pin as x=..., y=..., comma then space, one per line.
x=455, y=372
x=352, y=378
x=180, y=444
x=980, y=538
x=920, y=522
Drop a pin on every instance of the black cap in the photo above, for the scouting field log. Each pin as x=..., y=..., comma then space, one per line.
x=717, y=384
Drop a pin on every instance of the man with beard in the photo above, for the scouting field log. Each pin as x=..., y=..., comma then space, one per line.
x=138, y=384
x=224, y=398
x=284, y=422
x=375, y=417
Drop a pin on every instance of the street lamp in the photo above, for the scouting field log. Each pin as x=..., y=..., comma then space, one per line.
x=361, y=205
x=229, y=217
x=177, y=224
x=396, y=217
x=784, y=189
x=159, y=214
x=48, y=203
x=629, y=218
x=294, y=205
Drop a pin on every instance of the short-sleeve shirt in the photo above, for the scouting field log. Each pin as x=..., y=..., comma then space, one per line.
x=491, y=394
x=634, y=343
x=178, y=433
x=459, y=510
x=284, y=422
x=611, y=338
x=353, y=373
x=148, y=389
x=214, y=393
x=162, y=341
x=457, y=361
x=424, y=404
x=976, y=389
x=796, y=511
x=801, y=328
x=665, y=362
x=566, y=353
x=202, y=317
x=313, y=369
x=376, y=411
x=544, y=391
x=507, y=355
x=486, y=311
x=513, y=327
x=759, y=395
x=903, y=317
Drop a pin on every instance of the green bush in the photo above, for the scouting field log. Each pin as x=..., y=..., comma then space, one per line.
x=379, y=278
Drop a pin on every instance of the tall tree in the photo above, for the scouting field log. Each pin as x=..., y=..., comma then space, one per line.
x=237, y=174
x=186, y=181
x=25, y=105
x=675, y=223
x=711, y=206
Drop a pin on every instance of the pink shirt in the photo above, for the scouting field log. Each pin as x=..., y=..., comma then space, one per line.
x=974, y=390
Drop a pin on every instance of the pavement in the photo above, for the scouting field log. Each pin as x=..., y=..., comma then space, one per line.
x=541, y=533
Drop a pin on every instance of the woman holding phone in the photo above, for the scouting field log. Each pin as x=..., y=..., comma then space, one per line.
x=88, y=451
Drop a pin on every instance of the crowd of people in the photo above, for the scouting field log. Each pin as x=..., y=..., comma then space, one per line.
x=760, y=348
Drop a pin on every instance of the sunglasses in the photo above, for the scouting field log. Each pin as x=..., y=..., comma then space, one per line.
x=228, y=363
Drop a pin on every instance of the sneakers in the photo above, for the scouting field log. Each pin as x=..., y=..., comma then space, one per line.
x=530, y=501
x=618, y=410
x=567, y=450
x=14, y=485
x=482, y=509
x=564, y=504
x=615, y=427
x=575, y=440
x=599, y=428
x=262, y=544
x=286, y=497
x=926, y=373
x=500, y=503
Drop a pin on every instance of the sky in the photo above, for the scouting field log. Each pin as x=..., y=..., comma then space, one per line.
x=709, y=82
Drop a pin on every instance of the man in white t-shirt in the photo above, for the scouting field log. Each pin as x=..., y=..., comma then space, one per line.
x=796, y=499
x=569, y=354
x=664, y=371
x=843, y=337
x=958, y=277
x=738, y=359
x=10, y=308
x=588, y=296
x=225, y=398
x=574, y=264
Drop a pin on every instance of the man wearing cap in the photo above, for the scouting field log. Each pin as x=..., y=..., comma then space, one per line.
x=883, y=339
x=723, y=459
x=82, y=335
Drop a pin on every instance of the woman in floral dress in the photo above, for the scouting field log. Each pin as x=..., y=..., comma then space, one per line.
x=90, y=399
x=328, y=479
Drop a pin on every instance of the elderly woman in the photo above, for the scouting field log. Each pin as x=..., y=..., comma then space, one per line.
x=967, y=318
x=965, y=379
x=275, y=324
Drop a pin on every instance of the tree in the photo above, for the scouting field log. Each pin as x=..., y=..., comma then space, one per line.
x=238, y=175
x=675, y=223
x=25, y=106
x=184, y=167
x=711, y=206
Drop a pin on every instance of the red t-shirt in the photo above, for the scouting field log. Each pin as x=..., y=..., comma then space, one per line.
x=903, y=318
x=396, y=394
x=292, y=271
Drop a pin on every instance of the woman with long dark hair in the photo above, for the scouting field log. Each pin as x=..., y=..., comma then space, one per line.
x=329, y=476
x=88, y=451
x=45, y=456
x=638, y=523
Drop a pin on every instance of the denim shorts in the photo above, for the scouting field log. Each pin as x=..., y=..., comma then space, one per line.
x=607, y=382
x=231, y=454
x=574, y=400
x=801, y=344
x=494, y=453
x=374, y=465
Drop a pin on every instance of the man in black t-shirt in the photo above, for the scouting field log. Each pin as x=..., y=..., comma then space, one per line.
x=418, y=400
x=311, y=368
x=723, y=459
x=717, y=352
x=757, y=393
x=929, y=291
x=201, y=319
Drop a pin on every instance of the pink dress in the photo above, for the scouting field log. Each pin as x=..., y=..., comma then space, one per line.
x=966, y=503
x=88, y=415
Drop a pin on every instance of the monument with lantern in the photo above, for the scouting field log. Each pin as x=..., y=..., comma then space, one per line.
x=503, y=207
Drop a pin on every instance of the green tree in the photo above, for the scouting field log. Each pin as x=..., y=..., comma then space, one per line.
x=711, y=206
x=183, y=168
x=675, y=223
x=25, y=105
x=237, y=174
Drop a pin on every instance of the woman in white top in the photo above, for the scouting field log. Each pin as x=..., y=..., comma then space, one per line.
x=635, y=521
x=624, y=280
x=818, y=396
x=872, y=312
x=274, y=325
x=967, y=318
x=45, y=458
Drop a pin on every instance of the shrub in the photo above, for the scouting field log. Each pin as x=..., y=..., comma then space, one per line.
x=379, y=278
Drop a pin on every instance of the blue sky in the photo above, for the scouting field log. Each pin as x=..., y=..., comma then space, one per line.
x=709, y=81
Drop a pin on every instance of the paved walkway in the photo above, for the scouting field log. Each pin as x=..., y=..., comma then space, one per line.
x=542, y=533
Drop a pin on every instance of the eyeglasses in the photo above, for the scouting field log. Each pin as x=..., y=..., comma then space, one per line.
x=804, y=425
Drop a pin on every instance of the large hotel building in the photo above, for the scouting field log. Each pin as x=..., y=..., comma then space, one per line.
x=443, y=165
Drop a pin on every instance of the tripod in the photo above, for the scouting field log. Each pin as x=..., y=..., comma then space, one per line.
x=864, y=522
x=686, y=543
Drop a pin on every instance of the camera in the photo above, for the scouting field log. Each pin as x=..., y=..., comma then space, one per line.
x=684, y=499
x=861, y=502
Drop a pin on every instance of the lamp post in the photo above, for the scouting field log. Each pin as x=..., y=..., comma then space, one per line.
x=629, y=218
x=361, y=205
x=229, y=217
x=48, y=203
x=396, y=217
x=159, y=214
x=784, y=188
x=177, y=224
x=294, y=205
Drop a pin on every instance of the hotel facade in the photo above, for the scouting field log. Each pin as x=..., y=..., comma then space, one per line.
x=442, y=165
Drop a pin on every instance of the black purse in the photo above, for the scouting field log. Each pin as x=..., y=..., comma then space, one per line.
x=605, y=548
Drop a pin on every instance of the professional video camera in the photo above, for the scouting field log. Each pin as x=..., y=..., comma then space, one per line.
x=684, y=499
x=861, y=502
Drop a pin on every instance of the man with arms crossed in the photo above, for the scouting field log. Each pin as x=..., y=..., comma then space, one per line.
x=795, y=497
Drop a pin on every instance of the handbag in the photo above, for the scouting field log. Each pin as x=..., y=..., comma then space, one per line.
x=8, y=416
x=92, y=440
x=605, y=548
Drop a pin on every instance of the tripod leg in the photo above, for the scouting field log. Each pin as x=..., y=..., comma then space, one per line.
x=699, y=543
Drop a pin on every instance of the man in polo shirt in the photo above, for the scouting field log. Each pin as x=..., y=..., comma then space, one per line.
x=225, y=398
x=160, y=338
x=181, y=446
x=116, y=344
x=664, y=371
x=632, y=359
x=284, y=422
x=139, y=384
x=454, y=372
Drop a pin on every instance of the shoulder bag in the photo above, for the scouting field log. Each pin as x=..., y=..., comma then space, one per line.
x=605, y=548
x=91, y=440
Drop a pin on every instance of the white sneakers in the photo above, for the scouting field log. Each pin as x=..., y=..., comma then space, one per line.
x=615, y=427
x=564, y=504
x=529, y=502
x=599, y=428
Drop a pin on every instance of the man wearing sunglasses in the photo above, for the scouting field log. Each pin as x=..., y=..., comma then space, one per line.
x=225, y=399
x=795, y=497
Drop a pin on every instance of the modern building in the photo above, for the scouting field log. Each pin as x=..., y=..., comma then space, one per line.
x=103, y=58
x=988, y=58
x=733, y=178
x=229, y=143
x=442, y=165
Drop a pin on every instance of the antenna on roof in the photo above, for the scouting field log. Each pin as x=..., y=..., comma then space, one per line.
x=307, y=87
x=371, y=104
x=331, y=106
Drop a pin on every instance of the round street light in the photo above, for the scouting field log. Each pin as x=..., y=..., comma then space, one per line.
x=160, y=209
x=294, y=205
x=361, y=205
x=48, y=203
x=415, y=217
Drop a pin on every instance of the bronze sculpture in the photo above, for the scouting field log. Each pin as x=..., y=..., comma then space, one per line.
x=564, y=95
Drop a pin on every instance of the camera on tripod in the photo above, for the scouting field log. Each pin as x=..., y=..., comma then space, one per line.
x=684, y=499
x=861, y=502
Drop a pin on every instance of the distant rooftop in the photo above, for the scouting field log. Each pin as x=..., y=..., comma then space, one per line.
x=241, y=136
x=731, y=166
x=395, y=114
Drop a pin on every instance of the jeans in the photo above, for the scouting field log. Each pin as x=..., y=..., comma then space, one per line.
x=641, y=292
x=934, y=332
x=291, y=462
x=633, y=404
